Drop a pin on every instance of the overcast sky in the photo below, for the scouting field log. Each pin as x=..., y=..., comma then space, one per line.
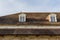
x=13, y=6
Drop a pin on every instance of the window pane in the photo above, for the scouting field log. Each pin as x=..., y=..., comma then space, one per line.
x=21, y=19
x=52, y=18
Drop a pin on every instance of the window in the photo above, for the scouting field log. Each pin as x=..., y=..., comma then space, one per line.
x=53, y=18
x=22, y=17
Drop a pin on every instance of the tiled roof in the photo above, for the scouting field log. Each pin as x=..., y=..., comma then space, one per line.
x=30, y=31
x=33, y=18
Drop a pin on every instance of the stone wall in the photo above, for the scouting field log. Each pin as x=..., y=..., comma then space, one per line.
x=29, y=37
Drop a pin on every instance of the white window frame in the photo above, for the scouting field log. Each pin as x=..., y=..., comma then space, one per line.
x=55, y=18
x=22, y=18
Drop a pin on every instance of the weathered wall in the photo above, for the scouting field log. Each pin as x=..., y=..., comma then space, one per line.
x=30, y=37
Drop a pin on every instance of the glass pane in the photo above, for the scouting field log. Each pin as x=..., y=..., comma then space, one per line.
x=52, y=18
x=21, y=19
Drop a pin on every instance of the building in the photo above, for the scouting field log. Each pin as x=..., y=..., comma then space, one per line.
x=33, y=23
x=41, y=22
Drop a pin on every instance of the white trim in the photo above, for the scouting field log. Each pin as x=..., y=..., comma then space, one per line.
x=30, y=27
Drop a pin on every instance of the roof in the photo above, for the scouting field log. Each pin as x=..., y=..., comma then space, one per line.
x=33, y=18
x=29, y=32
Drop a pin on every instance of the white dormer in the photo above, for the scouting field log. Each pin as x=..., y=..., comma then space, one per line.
x=52, y=18
x=22, y=17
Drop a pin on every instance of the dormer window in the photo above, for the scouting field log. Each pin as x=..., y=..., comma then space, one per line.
x=52, y=18
x=22, y=17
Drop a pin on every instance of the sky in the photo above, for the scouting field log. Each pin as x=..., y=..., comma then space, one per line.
x=14, y=6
